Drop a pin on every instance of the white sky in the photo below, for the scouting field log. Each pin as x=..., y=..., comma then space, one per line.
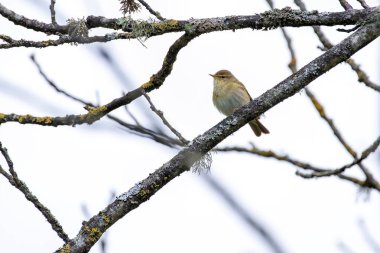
x=67, y=167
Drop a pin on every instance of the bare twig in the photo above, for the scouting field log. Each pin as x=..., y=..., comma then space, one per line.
x=145, y=132
x=321, y=111
x=52, y=12
x=364, y=4
x=137, y=123
x=370, y=239
x=318, y=106
x=370, y=180
x=153, y=12
x=292, y=161
x=244, y=214
x=293, y=60
x=327, y=173
x=137, y=129
x=20, y=185
x=362, y=76
x=166, y=123
x=52, y=84
x=345, y=5
x=348, y=30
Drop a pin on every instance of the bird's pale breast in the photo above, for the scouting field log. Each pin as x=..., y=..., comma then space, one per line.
x=228, y=97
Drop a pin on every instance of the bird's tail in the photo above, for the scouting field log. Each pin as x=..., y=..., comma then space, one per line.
x=258, y=128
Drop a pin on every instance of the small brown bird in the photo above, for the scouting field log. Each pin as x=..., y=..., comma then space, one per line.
x=230, y=94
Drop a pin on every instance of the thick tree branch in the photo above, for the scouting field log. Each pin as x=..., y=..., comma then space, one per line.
x=137, y=29
x=92, y=230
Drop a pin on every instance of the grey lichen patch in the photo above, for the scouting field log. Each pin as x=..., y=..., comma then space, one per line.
x=205, y=25
x=138, y=28
x=77, y=28
x=130, y=193
x=276, y=17
x=203, y=164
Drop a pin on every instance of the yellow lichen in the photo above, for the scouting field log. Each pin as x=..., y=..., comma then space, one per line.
x=162, y=26
x=44, y=120
x=65, y=248
x=93, y=234
x=94, y=113
x=105, y=218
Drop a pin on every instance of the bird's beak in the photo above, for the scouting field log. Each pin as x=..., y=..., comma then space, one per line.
x=212, y=75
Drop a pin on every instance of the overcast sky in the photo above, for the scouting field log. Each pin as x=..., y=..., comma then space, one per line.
x=68, y=167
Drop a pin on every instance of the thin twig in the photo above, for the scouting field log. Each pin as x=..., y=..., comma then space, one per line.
x=153, y=12
x=52, y=12
x=166, y=123
x=318, y=106
x=348, y=30
x=292, y=161
x=370, y=239
x=52, y=84
x=293, y=60
x=20, y=185
x=327, y=173
x=244, y=214
x=137, y=123
x=362, y=76
x=364, y=4
x=136, y=129
x=345, y=5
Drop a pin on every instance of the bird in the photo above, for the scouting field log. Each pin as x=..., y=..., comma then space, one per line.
x=229, y=94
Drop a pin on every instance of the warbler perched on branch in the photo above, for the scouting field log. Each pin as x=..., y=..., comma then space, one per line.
x=229, y=94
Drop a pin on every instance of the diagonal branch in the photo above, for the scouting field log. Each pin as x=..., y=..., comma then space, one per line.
x=166, y=123
x=364, y=4
x=92, y=230
x=20, y=185
x=345, y=5
x=153, y=12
